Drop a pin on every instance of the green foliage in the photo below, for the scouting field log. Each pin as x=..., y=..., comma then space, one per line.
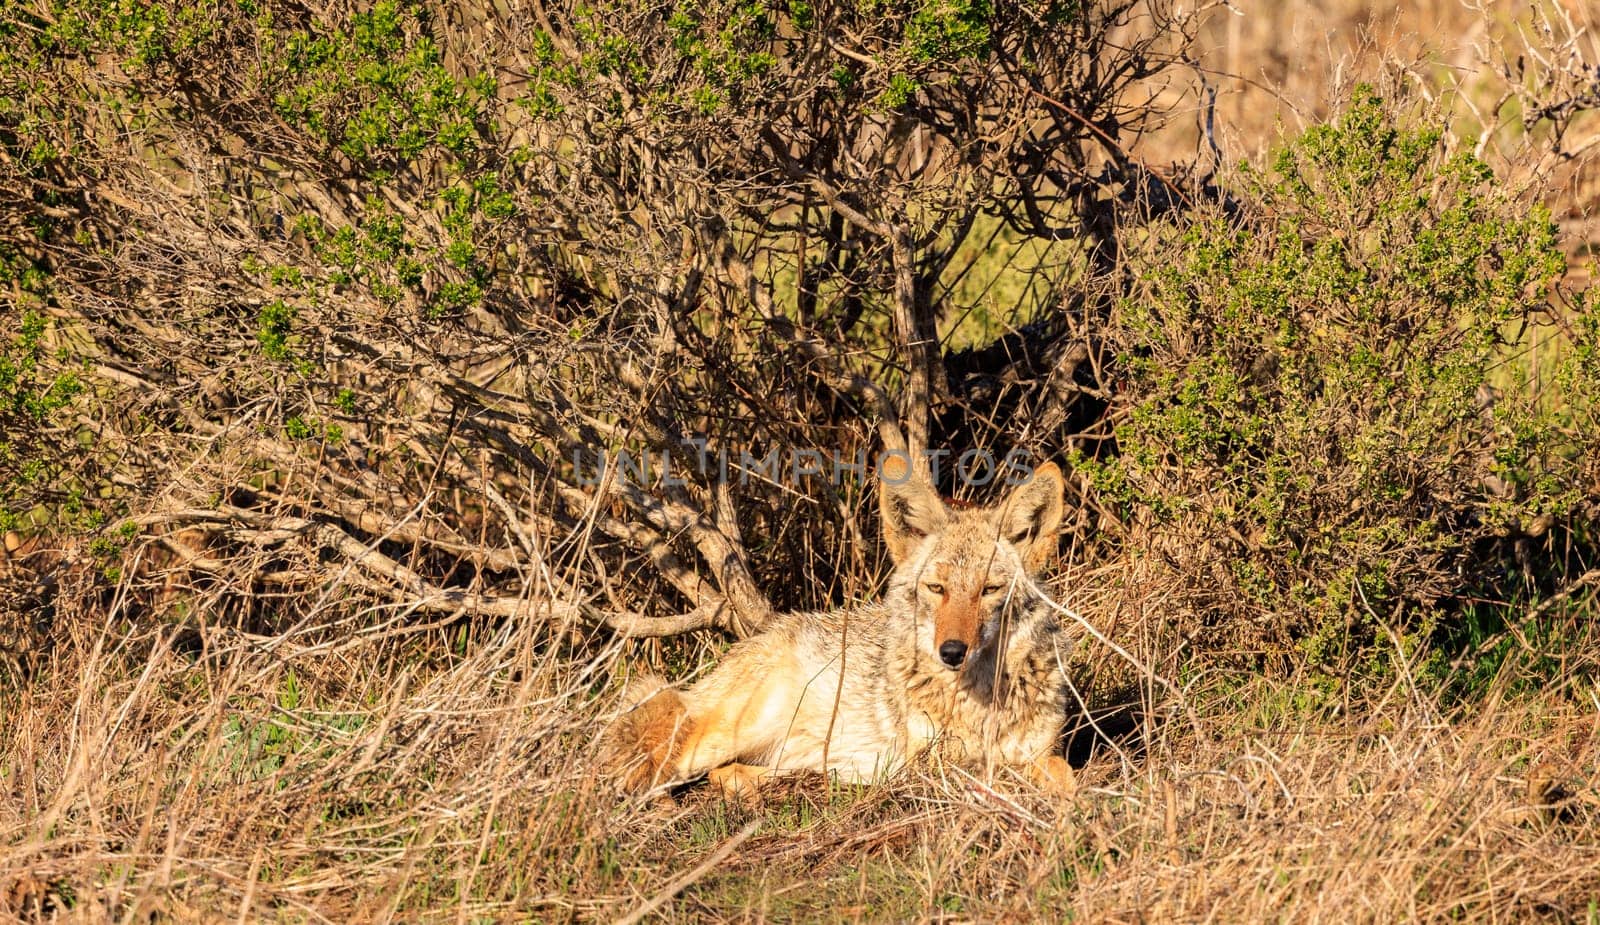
x=145, y=35
x=296, y=428
x=299, y=427
x=28, y=392
x=899, y=92
x=728, y=45
x=376, y=253
x=38, y=392
x=945, y=30
x=378, y=90
x=743, y=55
x=1310, y=390
x=607, y=53
x=275, y=324
x=549, y=79
x=108, y=547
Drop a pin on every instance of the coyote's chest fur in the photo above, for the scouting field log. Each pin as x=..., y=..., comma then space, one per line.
x=851, y=695
x=963, y=655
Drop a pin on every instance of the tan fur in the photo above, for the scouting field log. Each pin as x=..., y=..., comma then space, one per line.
x=860, y=692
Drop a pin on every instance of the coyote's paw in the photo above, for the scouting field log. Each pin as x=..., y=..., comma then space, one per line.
x=1054, y=775
x=740, y=783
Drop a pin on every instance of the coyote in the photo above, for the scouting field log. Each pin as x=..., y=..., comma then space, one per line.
x=963, y=655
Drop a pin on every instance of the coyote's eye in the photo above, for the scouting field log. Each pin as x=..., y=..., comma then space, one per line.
x=934, y=587
x=993, y=589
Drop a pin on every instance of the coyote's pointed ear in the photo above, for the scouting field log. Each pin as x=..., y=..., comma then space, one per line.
x=1030, y=517
x=910, y=508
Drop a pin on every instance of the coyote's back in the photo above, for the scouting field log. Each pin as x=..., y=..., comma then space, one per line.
x=964, y=654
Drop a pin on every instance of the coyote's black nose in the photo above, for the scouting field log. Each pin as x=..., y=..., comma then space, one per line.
x=952, y=652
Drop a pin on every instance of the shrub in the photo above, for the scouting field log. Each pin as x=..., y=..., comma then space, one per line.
x=1326, y=423
x=395, y=275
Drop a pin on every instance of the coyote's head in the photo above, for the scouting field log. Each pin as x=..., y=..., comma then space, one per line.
x=959, y=567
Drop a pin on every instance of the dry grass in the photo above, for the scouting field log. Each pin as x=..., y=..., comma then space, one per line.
x=207, y=776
